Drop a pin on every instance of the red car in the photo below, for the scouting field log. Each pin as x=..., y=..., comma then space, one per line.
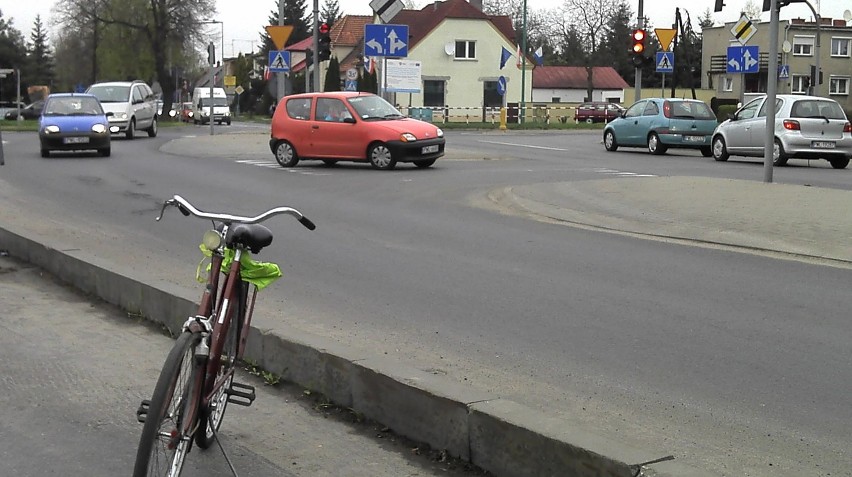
x=351, y=126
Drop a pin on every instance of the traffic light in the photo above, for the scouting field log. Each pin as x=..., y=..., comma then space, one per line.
x=637, y=46
x=211, y=53
x=309, y=58
x=720, y=4
x=324, y=47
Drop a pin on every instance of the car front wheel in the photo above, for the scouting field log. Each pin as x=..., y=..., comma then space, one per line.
x=839, y=163
x=424, y=163
x=610, y=144
x=381, y=157
x=131, y=129
x=286, y=155
x=720, y=151
x=655, y=146
x=152, y=131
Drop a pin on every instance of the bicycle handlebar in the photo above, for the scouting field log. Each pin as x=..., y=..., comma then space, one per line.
x=188, y=209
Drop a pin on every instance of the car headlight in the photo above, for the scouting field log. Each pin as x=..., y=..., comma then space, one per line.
x=440, y=132
x=227, y=113
x=190, y=114
x=407, y=137
x=205, y=113
x=120, y=115
x=52, y=129
x=98, y=128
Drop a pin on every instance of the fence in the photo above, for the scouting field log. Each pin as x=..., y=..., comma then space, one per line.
x=488, y=114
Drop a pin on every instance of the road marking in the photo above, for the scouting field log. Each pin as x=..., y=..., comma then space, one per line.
x=615, y=172
x=524, y=145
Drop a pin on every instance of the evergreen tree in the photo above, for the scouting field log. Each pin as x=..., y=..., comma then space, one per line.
x=39, y=58
x=332, y=75
x=330, y=12
x=615, y=45
x=12, y=55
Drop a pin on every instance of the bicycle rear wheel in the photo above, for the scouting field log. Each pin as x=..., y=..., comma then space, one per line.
x=211, y=416
x=164, y=445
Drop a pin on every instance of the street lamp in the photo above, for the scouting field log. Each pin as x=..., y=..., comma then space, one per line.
x=222, y=28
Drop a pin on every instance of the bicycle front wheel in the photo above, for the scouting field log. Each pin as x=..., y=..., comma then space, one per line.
x=169, y=423
x=210, y=418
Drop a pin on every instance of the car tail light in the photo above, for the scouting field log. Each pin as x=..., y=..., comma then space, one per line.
x=667, y=109
x=791, y=125
x=847, y=127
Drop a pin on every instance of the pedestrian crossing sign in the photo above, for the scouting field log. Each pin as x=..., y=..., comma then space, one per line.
x=279, y=61
x=783, y=71
x=665, y=62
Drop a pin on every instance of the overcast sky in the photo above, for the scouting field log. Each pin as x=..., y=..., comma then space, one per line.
x=243, y=20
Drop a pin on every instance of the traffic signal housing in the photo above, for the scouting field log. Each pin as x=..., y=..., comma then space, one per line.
x=211, y=54
x=309, y=57
x=324, y=46
x=637, y=47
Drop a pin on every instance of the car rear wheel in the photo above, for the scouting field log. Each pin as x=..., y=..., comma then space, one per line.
x=720, y=151
x=329, y=162
x=424, y=163
x=152, y=131
x=610, y=144
x=286, y=155
x=655, y=146
x=105, y=152
x=131, y=129
x=839, y=163
x=381, y=157
x=45, y=153
x=779, y=158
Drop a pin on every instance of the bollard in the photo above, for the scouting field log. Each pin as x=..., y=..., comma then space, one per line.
x=2, y=161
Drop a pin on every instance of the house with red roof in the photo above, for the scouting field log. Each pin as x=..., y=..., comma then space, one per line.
x=459, y=48
x=569, y=84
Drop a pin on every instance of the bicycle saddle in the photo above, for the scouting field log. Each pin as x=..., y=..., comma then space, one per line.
x=251, y=236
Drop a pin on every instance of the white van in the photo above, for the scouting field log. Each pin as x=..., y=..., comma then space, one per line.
x=201, y=106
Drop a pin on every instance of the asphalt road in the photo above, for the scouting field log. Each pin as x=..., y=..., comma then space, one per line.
x=729, y=361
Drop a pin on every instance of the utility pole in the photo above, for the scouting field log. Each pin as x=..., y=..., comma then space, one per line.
x=637, y=82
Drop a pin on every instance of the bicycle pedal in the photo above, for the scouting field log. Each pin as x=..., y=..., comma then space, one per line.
x=241, y=394
x=142, y=411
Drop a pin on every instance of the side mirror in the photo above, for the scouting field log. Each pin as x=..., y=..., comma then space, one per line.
x=349, y=119
x=732, y=116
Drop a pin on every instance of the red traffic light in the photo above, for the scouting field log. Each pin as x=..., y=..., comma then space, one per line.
x=324, y=28
x=638, y=45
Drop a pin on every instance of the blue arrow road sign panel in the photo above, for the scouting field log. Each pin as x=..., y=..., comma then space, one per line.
x=386, y=40
x=665, y=61
x=501, y=85
x=743, y=59
x=279, y=61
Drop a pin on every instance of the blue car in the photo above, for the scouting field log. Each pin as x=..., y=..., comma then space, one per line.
x=661, y=123
x=73, y=122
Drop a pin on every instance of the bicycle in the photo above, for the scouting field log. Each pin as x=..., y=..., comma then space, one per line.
x=197, y=379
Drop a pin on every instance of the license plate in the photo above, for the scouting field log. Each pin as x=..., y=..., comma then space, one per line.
x=75, y=140
x=430, y=149
x=822, y=144
x=693, y=138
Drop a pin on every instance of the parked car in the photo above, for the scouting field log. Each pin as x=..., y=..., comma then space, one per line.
x=807, y=127
x=133, y=104
x=73, y=122
x=597, y=112
x=31, y=111
x=661, y=123
x=186, y=112
x=7, y=106
x=351, y=126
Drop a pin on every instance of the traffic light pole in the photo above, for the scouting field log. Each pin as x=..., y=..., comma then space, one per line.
x=637, y=82
x=316, y=47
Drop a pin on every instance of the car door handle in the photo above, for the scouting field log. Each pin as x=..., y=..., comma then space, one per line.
x=315, y=126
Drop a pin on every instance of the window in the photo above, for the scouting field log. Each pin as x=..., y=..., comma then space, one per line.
x=556, y=99
x=840, y=46
x=651, y=109
x=727, y=83
x=799, y=83
x=465, y=50
x=838, y=85
x=490, y=97
x=803, y=46
x=299, y=108
x=433, y=93
x=635, y=110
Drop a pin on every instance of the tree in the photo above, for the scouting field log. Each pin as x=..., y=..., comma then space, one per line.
x=12, y=55
x=615, y=44
x=330, y=11
x=156, y=27
x=332, y=75
x=706, y=19
x=39, y=58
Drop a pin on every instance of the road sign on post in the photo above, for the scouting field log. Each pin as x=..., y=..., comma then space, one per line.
x=386, y=40
x=279, y=61
x=386, y=9
x=279, y=34
x=665, y=37
x=743, y=59
x=743, y=30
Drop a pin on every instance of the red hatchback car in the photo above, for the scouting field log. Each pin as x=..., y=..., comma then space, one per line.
x=351, y=126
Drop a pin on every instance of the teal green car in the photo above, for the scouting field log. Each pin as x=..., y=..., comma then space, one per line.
x=663, y=123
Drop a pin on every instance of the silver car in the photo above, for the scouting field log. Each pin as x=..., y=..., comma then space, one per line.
x=807, y=127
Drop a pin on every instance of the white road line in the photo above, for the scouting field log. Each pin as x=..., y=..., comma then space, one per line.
x=524, y=145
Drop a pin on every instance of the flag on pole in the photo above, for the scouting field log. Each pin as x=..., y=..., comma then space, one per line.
x=539, y=56
x=519, y=56
x=371, y=65
x=504, y=57
x=266, y=73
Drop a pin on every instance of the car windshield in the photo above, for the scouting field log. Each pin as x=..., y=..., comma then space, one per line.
x=374, y=108
x=205, y=102
x=811, y=108
x=73, y=106
x=110, y=94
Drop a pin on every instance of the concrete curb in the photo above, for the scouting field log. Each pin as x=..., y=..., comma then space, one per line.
x=498, y=435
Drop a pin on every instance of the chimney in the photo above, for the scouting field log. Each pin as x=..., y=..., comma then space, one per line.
x=839, y=23
x=477, y=4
